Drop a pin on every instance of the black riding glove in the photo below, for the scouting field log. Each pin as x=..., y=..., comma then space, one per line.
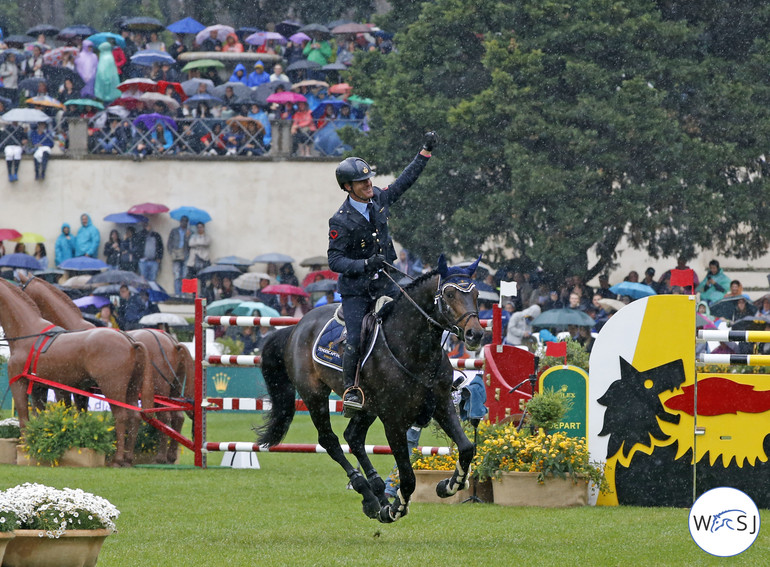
x=430, y=141
x=374, y=263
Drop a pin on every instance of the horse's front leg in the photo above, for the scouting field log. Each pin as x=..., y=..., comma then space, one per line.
x=446, y=417
x=400, y=505
x=355, y=435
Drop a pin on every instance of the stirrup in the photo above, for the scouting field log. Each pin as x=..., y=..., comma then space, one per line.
x=350, y=408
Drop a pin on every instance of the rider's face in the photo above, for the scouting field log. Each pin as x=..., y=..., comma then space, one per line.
x=362, y=190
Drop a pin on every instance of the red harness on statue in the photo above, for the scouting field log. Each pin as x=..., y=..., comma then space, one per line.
x=41, y=344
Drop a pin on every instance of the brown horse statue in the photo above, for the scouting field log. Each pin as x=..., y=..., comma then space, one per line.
x=118, y=365
x=172, y=366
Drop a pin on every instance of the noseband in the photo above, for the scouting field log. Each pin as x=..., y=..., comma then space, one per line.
x=463, y=285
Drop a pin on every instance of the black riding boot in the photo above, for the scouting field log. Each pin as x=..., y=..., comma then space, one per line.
x=37, y=169
x=352, y=400
x=43, y=165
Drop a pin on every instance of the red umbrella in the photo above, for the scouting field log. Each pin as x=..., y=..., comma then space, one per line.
x=141, y=85
x=128, y=102
x=341, y=88
x=163, y=85
x=286, y=97
x=148, y=209
x=9, y=234
x=285, y=289
x=325, y=274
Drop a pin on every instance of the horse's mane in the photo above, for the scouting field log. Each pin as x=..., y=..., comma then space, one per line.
x=418, y=282
x=23, y=296
x=62, y=296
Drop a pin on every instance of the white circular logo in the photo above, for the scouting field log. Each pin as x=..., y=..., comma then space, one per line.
x=724, y=521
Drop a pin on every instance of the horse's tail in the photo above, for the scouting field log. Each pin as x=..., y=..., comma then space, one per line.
x=280, y=388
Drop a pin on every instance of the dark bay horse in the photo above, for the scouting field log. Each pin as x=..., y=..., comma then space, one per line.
x=406, y=379
x=118, y=365
x=172, y=366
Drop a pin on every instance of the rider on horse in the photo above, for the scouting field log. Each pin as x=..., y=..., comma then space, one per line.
x=359, y=247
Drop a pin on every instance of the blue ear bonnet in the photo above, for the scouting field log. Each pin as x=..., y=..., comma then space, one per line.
x=461, y=277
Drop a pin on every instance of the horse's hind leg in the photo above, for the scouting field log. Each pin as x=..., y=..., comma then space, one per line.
x=398, y=444
x=355, y=435
x=319, y=412
x=446, y=417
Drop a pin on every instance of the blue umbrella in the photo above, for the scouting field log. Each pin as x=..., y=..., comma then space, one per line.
x=101, y=37
x=204, y=97
x=125, y=218
x=328, y=142
x=319, y=110
x=273, y=258
x=147, y=57
x=83, y=264
x=194, y=214
x=97, y=301
x=186, y=25
x=634, y=290
x=20, y=261
x=324, y=301
x=156, y=292
x=77, y=30
x=234, y=261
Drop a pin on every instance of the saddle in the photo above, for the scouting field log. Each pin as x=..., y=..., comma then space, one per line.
x=330, y=342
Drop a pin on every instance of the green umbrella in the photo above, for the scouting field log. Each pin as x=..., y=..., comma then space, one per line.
x=561, y=318
x=200, y=63
x=355, y=99
x=84, y=102
x=222, y=306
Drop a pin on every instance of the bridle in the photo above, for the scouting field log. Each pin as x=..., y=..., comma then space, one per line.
x=464, y=285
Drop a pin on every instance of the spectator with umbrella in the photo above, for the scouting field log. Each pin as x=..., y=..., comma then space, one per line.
x=33, y=66
x=178, y=245
x=9, y=75
x=278, y=74
x=200, y=244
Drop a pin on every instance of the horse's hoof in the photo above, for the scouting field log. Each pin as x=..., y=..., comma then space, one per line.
x=371, y=507
x=442, y=489
x=384, y=517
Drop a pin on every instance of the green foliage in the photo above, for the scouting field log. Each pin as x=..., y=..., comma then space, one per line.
x=547, y=408
x=568, y=126
x=51, y=432
x=147, y=439
x=576, y=356
x=230, y=345
x=9, y=428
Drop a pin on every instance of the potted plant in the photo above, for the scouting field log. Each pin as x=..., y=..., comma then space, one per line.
x=534, y=468
x=56, y=528
x=62, y=435
x=146, y=445
x=8, y=523
x=9, y=438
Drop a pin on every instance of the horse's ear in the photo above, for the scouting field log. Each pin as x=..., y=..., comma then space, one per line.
x=442, y=267
x=472, y=268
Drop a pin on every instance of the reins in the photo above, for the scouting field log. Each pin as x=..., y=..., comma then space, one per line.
x=413, y=302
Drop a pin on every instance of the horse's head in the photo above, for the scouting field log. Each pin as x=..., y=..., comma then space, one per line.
x=456, y=299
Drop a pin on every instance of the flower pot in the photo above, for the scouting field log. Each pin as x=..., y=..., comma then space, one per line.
x=8, y=451
x=75, y=457
x=523, y=489
x=5, y=538
x=75, y=548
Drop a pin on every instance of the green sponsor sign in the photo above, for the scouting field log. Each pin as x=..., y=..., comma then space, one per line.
x=574, y=382
x=235, y=382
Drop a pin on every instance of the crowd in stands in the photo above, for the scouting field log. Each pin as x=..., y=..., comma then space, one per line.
x=141, y=99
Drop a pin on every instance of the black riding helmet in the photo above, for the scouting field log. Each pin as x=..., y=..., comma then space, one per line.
x=352, y=169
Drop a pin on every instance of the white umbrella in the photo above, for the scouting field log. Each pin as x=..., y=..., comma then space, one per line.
x=25, y=115
x=171, y=319
x=250, y=280
x=611, y=304
x=167, y=100
x=78, y=282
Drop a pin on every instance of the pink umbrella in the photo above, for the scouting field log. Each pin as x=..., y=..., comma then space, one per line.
x=148, y=209
x=260, y=38
x=9, y=234
x=286, y=97
x=285, y=289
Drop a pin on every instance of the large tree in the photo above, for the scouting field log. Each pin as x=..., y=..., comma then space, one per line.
x=566, y=126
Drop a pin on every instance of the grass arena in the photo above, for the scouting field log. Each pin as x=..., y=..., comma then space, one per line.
x=186, y=515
